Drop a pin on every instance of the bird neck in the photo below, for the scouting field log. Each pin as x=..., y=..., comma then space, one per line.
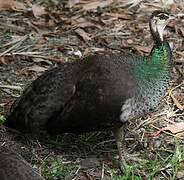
x=156, y=65
x=156, y=32
x=156, y=36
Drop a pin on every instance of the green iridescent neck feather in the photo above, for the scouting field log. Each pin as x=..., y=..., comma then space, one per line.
x=156, y=65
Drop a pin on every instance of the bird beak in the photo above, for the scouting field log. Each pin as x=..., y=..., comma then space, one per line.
x=171, y=17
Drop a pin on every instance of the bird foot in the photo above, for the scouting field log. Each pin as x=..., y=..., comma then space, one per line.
x=120, y=138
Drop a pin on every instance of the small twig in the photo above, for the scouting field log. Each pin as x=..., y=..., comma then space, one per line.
x=176, y=102
x=76, y=172
x=18, y=88
x=14, y=46
x=12, y=130
x=102, y=175
x=12, y=42
x=182, y=83
x=9, y=93
x=180, y=53
x=103, y=142
x=179, y=60
x=35, y=55
x=29, y=53
x=12, y=27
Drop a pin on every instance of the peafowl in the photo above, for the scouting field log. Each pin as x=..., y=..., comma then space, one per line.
x=13, y=166
x=99, y=92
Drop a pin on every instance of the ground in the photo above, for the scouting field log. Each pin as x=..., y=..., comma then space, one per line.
x=38, y=35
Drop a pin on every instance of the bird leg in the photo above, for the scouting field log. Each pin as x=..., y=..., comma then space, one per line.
x=119, y=134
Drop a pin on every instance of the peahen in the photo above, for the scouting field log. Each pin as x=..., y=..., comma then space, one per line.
x=13, y=166
x=98, y=92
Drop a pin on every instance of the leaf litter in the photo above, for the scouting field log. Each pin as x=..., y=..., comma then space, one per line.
x=12, y=5
x=36, y=36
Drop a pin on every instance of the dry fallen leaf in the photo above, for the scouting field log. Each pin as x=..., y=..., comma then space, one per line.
x=12, y=5
x=2, y=60
x=83, y=34
x=42, y=26
x=84, y=176
x=120, y=16
x=14, y=28
x=96, y=4
x=176, y=102
x=38, y=10
x=140, y=49
x=174, y=128
x=180, y=173
x=92, y=50
x=71, y=3
x=145, y=49
x=37, y=68
x=83, y=23
x=130, y=3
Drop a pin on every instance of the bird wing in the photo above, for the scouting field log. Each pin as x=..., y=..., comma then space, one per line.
x=43, y=99
x=103, y=87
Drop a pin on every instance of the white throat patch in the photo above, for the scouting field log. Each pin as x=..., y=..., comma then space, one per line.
x=160, y=29
x=126, y=110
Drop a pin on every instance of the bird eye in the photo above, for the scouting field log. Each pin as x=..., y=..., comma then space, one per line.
x=163, y=16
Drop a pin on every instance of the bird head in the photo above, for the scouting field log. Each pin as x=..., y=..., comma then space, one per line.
x=158, y=22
